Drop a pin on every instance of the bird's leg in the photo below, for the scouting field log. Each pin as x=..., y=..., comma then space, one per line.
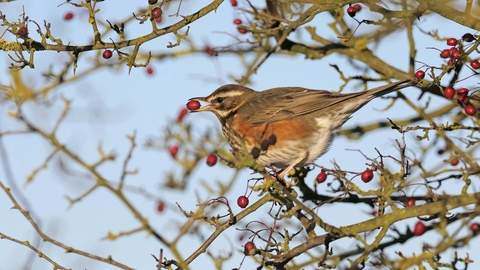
x=282, y=174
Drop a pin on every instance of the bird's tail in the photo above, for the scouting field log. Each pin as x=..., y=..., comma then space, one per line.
x=354, y=101
x=385, y=89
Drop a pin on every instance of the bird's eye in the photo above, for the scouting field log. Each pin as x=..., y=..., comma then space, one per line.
x=219, y=100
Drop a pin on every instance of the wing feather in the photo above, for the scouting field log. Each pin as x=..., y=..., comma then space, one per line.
x=283, y=103
x=278, y=104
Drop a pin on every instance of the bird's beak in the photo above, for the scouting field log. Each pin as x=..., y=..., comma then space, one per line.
x=207, y=107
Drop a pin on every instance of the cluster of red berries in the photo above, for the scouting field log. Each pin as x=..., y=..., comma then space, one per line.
x=453, y=54
x=455, y=51
x=463, y=98
x=353, y=9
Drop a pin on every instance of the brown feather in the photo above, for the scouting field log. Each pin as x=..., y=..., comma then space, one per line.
x=283, y=103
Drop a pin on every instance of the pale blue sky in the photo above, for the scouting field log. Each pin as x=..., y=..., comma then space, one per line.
x=109, y=105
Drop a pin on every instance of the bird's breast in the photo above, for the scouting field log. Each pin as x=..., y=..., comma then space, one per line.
x=278, y=143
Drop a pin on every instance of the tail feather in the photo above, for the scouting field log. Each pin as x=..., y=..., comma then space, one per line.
x=385, y=89
x=363, y=98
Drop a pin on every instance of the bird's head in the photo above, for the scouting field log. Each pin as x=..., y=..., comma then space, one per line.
x=225, y=100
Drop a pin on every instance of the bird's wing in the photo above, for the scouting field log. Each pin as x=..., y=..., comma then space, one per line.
x=277, y=104
x=283, y=103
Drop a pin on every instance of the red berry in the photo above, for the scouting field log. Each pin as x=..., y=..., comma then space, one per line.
x=475, y=227
x=181, y=114
x=449, y=92
x=233, y=3
x=420, y=74
x=455, y=53
x=321, y=177
x=445, y=53
x=211, y=160
x=475, y=64
x=452, y=42
x=454, y=162
x=367, y=175
x=419, y=228
x=149, y=70
x=158, y=20
x=462, y=91
x=160, y=206
x=463, y=100
x=23, y=31
x=237, y=21
x=470, y=110
x=173, y=150
x=157, y=12
x=68, y=16
x=249, y=249
x=193, y=105
x=468, y=37
x=107, y=54
x=242, y=31
x=357, y=7
x=242, y=201
x=410, y=202
x=451, y=62
x=210, y=51
x=351, y=11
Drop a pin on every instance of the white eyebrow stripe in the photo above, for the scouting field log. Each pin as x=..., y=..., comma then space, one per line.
x=230, y=93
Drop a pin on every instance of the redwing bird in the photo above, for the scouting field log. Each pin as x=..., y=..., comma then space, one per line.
x=285, y=127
